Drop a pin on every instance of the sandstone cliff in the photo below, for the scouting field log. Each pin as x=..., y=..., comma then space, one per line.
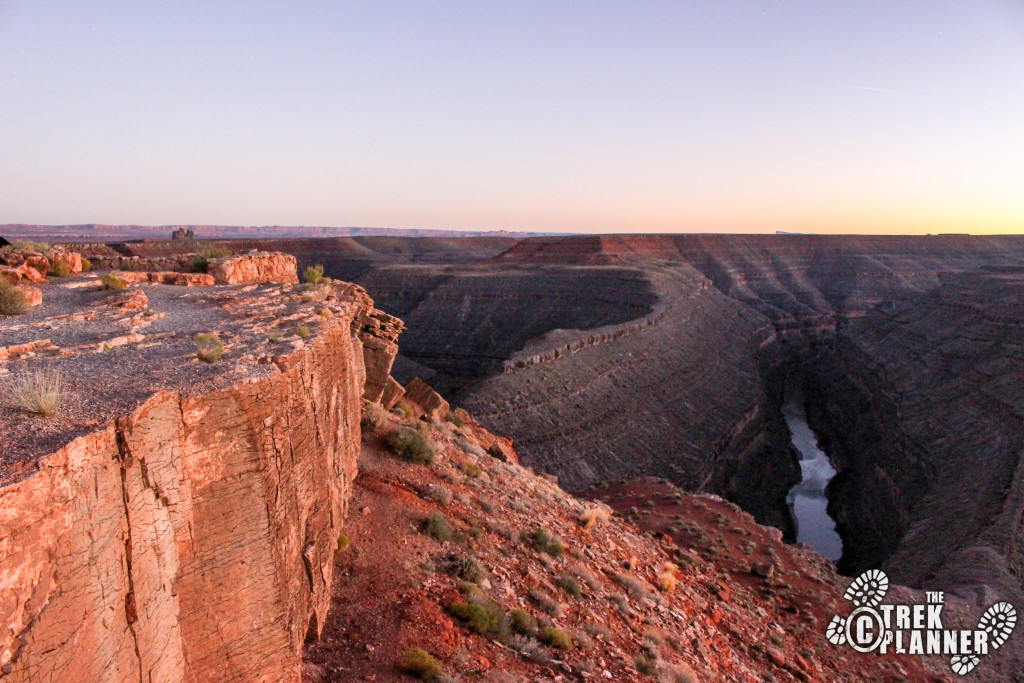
x=189, y=534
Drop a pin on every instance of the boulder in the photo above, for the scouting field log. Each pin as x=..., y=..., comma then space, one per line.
x=33, y=295
x=426, y=399
x=254, y=267
x=71, y=259
x=392, y=392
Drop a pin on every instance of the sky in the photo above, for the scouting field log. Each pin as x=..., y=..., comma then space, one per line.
x=882, y=116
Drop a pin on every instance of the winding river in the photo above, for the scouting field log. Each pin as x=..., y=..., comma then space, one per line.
x=807, y=499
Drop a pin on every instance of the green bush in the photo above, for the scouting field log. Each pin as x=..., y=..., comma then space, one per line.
x=410, y=445
x=404, y=409
x=209, y=348
x=543, y=541
x=555, y=637
x=215, y=252
x=200, y=264
x=569, y=585
x=343, y=542
x=12, y=301
x=471, y=470
x=86, y=265
x=313, y=275
x=302, y=331
x=25, y=246
x=482, y=619
x=112, y=282
x=420, y=664
x=373, y=418
x=436, y=526
x=522, y=622
x=59, y=269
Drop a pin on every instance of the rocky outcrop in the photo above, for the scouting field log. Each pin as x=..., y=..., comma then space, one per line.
x=254, y=267
x=23, y=266
x=193, y=538
x=70, y=260
x=426, y=399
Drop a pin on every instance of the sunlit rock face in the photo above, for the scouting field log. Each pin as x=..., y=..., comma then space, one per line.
x=177, y=520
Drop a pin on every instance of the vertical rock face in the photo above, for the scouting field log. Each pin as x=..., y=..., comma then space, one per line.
x=193, y=539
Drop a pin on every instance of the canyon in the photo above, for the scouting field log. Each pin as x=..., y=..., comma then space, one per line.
x=606, y=359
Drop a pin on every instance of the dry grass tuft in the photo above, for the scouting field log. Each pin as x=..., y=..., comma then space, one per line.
x=209, y=348
x=111, y=282
x=593, y=516
x=38, y=391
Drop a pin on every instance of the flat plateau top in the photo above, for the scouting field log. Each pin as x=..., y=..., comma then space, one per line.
x=114, y=349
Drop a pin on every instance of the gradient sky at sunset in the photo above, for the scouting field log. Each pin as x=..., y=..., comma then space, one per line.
x=897, y=117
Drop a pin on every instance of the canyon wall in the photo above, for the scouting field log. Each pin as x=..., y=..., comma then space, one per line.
x=193, y=539
x=667, y=355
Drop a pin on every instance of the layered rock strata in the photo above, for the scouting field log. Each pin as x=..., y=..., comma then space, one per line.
x=189, y=534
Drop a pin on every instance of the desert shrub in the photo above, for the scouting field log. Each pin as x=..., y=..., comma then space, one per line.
x=635, y=589
x=200, y=263
x=403, y=409
x=454, y=419
x=545, y=602
x=645, y=665
x=302, y=331
x=482, y=619
x=374, y=417
x=464, y=567
x=215, y=252
x=438, y=493
x=59, y=269
x=555, y=637
x=543, y=541
x=86, y=265
x=25, y=246
x=313, y=275
x=522, y=622
x=343, y=542
x=209, y=348
x=127, y=264
x=420, y=664
x=436, y=526
x=324, y=313
x=530, y=649
x=111, y=282
x=569, y=585
x=12, y=301
x=471, y=470
x=667, y=578
x=470, y=447
x=410, y=445
x=38, y=391
x=274, y=335
x=593, y=516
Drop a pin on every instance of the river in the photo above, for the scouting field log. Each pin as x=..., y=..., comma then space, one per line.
x=807, y=499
